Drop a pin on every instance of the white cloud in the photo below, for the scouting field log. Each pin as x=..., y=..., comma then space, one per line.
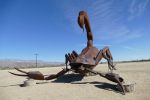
x=129, y=48
x=137, y=7
x=108, y=20
x=129, y=36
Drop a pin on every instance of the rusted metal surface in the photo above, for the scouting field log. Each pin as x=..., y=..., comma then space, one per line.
x=84, y=62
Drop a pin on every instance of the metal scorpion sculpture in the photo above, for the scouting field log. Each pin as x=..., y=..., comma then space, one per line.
x=84, y=62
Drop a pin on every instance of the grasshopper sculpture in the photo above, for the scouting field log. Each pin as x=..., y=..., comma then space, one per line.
x=84, y=62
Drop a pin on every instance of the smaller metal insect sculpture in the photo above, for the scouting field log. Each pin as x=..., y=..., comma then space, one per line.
x=85, y=62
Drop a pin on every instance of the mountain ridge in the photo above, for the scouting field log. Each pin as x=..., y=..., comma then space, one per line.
x=11, y=63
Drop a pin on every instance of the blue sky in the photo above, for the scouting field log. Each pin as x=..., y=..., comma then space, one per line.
x=49, y=28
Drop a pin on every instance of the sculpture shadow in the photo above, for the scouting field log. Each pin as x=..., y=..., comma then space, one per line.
x=11, y=85
x=108, y=87
x=20, y=85
x=102, y=85
x=68, y=78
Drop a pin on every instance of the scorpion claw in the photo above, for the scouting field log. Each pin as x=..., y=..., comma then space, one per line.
x=17, y=74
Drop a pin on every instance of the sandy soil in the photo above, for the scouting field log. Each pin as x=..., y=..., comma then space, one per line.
x=73, y=87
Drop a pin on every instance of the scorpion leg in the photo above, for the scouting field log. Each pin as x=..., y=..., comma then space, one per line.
x=122, y=87
x=114, y=78
x=70, y=57
x=98, y=57
x=102, y=54
x=107, y=55
x=73, y=56
x=66, y=60
x=75, y=53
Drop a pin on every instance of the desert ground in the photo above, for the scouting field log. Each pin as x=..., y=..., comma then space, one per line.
x=74, y=87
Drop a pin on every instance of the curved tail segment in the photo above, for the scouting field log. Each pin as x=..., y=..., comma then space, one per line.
x=83, y=20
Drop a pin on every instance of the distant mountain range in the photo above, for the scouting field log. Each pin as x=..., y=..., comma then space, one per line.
x=10, y=63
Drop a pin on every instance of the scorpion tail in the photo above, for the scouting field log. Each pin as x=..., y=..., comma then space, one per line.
x=81, y=20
